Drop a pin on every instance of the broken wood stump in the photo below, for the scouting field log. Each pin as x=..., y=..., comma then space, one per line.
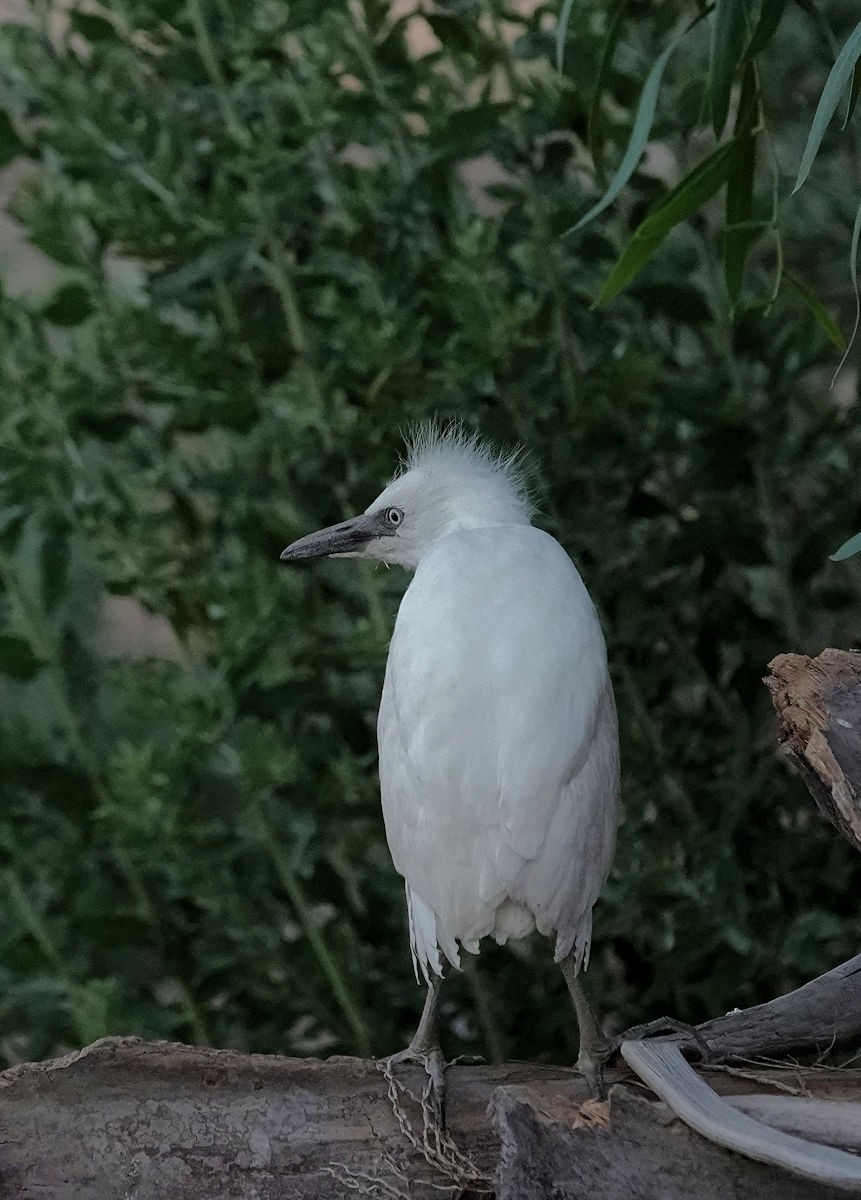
x=818, y=702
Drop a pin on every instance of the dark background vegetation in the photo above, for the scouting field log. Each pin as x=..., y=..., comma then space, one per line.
x=270, y=251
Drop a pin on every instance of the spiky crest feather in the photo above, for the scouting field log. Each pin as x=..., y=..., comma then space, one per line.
x=437, y=447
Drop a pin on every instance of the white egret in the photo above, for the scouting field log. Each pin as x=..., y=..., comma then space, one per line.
x=499, y=752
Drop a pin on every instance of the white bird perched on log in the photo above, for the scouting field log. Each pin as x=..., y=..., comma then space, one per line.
x=498, y=741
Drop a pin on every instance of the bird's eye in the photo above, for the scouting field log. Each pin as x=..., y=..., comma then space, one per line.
x=393, y=517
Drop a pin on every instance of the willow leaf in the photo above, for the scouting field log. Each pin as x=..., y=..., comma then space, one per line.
x=562, y=32
x=847, y=549
x=835, y=85
x=823, y=317
x=853, y=271
x=639, y=136
x=682, y=201
x=725, y=54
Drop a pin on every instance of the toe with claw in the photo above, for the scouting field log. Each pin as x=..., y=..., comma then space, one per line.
x=433, y=1061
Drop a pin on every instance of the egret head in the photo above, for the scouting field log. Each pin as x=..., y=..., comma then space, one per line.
x=449, y=480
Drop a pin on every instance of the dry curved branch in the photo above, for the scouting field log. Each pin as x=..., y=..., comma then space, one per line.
x=824, y=1012
x=667, y=1073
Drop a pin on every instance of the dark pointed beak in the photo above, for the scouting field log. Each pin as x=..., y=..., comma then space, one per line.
x=347, y=538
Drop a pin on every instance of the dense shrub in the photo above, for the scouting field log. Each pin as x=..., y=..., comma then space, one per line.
x=270, y=258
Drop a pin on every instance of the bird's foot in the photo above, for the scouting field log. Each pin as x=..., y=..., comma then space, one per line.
x=433, y=1141
x=432, y=1059
x=591, y=1062
x=667, y=1025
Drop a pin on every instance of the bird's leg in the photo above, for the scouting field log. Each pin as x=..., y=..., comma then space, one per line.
x=595, y=1046
x=425, y=1048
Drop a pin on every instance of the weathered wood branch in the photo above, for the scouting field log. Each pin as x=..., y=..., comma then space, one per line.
x=824, y=1012
x=130, y=1120
x=818, y=701
x=667, y=1073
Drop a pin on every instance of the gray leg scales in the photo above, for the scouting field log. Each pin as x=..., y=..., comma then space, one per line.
x=425, y=1049
x=595, y=1047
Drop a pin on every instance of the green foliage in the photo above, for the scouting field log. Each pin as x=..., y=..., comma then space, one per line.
x=267, y=262
x=740, y=60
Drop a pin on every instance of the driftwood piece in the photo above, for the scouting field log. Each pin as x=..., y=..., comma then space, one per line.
x=819, y=705
x=669, y=1075
x=824, y=1012
x=818, y=701
x=130, y=1120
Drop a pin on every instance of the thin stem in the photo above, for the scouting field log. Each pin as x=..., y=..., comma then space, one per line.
x=497, y=1043
x=33, y=631
x=209, y=58
x=364, y=51
x=777, y=546
x=541, y=224
x=296, y=894
x=33, y=923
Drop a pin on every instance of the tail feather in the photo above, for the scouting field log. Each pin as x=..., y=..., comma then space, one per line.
x=423, y=939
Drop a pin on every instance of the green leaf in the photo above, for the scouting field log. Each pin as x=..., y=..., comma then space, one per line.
x=17, y=658
x=769, y=18
x=10, y=144
x=725, y=54
x=681, y=202
x=739, y=194
x=607, y=51
x=828, y=101
x=639, y=135
x=853, y=272
x=70, y=305
x=854, y=89
x=468, y=130
x=218, y=261
x=562, y=32
x=94, y=28
x=823, y=317
x=853, y=546
x=454, y=32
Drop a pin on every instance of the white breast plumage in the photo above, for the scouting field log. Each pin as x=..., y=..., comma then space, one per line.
x=498, y=746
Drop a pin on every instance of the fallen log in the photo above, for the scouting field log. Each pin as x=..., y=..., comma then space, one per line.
x=130, y=1120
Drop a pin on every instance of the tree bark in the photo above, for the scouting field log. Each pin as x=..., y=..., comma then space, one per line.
x=822, y=1013
x=644, y=1154
x=818, y=701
